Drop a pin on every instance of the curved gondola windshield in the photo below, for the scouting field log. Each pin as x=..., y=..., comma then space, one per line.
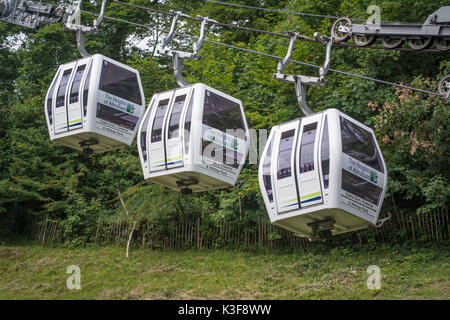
x=225, y=115
x=120, y=82
x=360, y=144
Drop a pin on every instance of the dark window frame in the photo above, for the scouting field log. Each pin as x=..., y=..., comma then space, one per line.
x=306, y=158
x=174, y=128
x=285, y=172
x=74, y=97
x=61, y=96
x=157, y=134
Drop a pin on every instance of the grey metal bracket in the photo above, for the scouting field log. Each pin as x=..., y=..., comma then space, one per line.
x=436, y=25
x=30, y=14
x=198, y=45
x=179, y=56
x=178, y=70
x=301, y=82
x=74, y=23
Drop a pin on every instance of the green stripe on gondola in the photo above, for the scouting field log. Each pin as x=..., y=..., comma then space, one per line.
x=315, y=194
x=70, y=122
x=73, y=121
x=168, y=160
x=310, y=195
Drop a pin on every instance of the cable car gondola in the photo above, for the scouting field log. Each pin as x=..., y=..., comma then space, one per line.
x=193, y=139
x=322, y=175
x=94, y=104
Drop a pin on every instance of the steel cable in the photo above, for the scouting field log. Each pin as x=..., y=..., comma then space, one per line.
x=267, y=54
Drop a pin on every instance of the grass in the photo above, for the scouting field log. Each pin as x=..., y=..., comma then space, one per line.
x=37, y=272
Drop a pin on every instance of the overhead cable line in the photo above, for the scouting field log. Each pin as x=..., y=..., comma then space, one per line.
x=275, y=10
x=276, y=34
x=300, y=13
x=267, y=54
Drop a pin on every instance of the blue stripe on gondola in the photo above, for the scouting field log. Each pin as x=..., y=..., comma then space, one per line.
x=312, y=199
x=72, y=125
x=294, y=204
x=170, y=163
x=174, y=162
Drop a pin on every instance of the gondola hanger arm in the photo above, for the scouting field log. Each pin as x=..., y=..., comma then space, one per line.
x=179, y=56
x=198, y=45
x=300, y=81
x=74, y=23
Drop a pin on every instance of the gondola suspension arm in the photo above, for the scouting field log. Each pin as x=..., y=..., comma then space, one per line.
x=300, y=81
x=74, y=23
x=179, y=56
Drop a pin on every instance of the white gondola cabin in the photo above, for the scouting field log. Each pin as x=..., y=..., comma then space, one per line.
x=323, y=174
x=94, y=104
x=193, y=139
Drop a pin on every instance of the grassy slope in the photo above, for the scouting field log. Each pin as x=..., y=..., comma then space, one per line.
x=35, y=272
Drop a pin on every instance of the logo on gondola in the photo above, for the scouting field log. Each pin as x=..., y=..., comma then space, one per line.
x=234, y=144
x=373, y=177
x=116, y=103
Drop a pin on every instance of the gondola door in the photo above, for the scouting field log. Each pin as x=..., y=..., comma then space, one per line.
x=156, y=147
x=74, y=109
x=308, y=163
x=173, y=134
x=284, y=180
x=60, y=100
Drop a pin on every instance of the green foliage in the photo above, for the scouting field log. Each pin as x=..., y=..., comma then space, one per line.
x=40, y=177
